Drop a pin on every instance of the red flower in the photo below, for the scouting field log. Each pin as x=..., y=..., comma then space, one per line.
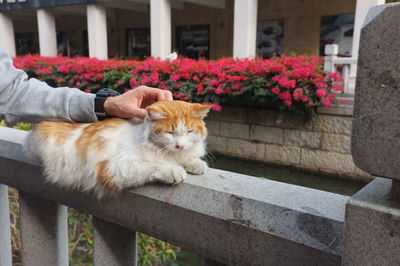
x=275, y=90
x=320, y=92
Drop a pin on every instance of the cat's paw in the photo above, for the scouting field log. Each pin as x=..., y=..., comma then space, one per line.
x=196, y=167
x=173, y=175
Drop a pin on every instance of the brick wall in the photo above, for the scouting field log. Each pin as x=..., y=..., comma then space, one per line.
x=320, y=146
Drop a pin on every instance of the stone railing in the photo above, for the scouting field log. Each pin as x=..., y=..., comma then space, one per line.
x=225, y=217
x=348, y=64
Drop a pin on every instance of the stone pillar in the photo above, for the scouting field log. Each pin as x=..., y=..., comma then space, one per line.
x=160, y=27
x=372, y=220
x=97, y=31
x=47, y=33
x=372, y=227
x=44, y=231
x=113, y=244
x=5, y=232
x=7, y=40
x=245, y=28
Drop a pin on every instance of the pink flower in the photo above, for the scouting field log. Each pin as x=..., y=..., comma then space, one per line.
x=285, y=96
x=275, y=90
x=327, y=102
x=343, y=101
x=320, y=92
x=284, y=82
x=320, y=84
x=219, y=90
x=217, y=107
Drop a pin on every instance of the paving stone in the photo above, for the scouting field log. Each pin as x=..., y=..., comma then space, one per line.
x=336, y=143
x=266, y=134
x=301, y=138
x=234, y=130
x=282, y=154
x=333, y=124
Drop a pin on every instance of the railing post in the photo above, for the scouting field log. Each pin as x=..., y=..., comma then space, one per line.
x=44, y=231
x=113, y=244
x=346, y=78
x=5, y=231
x=331, y=51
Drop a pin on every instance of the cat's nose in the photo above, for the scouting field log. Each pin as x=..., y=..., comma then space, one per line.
x=180, y=147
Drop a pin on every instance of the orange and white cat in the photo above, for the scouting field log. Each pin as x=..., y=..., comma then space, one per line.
x=114, y=154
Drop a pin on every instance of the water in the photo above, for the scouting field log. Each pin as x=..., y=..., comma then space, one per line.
x=289, y=175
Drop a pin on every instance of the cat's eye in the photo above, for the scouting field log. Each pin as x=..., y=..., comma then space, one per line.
x=190, y=131
x=170, y=132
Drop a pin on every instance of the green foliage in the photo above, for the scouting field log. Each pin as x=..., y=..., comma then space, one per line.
x=152, y=251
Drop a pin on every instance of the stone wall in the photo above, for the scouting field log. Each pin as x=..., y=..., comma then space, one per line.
x=320, y=146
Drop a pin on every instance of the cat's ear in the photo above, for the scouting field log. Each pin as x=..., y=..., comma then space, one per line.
x=155, y=113
x=201, y=110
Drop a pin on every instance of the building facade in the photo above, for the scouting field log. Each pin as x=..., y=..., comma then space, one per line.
x=194, y=28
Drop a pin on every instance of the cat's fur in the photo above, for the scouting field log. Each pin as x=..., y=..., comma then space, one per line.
x=114, y=154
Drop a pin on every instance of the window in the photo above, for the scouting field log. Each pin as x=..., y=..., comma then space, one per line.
x=193, y=41
x=337, y=29
x=269, y=37
x=138, y=41
x=26, y=43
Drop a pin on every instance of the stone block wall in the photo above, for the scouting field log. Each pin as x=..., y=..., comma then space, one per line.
x=320, y=146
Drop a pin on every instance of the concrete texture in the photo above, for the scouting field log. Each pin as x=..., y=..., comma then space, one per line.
x=5, y=232
x=372, y=227
x=44, y=231
x=230, y=218
x=376, y=127
x=115, y=245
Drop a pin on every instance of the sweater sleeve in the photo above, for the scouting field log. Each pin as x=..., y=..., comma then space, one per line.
x=30, y=100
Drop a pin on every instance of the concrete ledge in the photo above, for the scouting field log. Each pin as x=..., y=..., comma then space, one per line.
x=231, y=218
x=372, y=228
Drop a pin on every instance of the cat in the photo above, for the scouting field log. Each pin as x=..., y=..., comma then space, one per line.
x=114, y=154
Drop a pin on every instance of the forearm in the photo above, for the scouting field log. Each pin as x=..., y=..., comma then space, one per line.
x=32, y=100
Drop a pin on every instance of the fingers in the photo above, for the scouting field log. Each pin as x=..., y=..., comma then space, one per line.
x=165, y=95
x=139, y=113
x=156, y=94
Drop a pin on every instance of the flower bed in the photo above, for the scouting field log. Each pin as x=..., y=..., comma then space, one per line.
x=288, y=83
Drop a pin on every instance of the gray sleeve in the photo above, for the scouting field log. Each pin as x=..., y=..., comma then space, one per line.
x=30, y=100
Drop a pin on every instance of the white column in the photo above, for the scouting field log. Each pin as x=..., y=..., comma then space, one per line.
x=362, y=8
x=245, y=28
x=7, y=40
x=47, y=33
x=160, y=27
x=97, y=31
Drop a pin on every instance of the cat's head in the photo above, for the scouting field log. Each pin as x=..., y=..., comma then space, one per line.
x=176, y=125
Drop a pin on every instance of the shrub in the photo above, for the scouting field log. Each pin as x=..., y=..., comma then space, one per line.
x=287, y=83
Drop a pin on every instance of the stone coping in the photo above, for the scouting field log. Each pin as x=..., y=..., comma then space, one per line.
x=229, y=217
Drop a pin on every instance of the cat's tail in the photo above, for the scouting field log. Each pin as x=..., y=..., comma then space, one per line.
x=31, y=144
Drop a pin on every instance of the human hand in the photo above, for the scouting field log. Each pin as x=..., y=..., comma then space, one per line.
x=132, y=103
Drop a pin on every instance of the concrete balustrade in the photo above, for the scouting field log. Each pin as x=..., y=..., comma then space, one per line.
x=114, y=245
x=230, y=218
x=44, y=231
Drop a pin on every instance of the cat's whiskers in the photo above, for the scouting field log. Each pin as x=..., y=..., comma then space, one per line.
x=210, y=156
